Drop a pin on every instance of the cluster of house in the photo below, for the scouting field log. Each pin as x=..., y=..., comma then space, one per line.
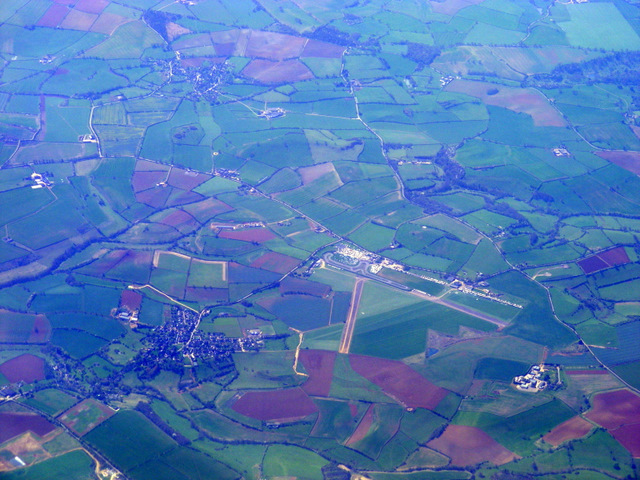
x=532, y=381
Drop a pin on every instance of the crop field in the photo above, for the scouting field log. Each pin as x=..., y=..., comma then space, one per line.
x=375, y=430
x=518, y=100
x=514, y=431
x=288, y=308
x=399, y=381
x=614, y=409
x=618, y=33
x=85, y=416
x=51, y=401
x=319, y=365
x=628, y=160
x=14, y=424
x=336, y=419
x=129, y=439
x=470, y=445
x=576, y=427
x=23, y=368
x=23, y=328
x=275, y=406
x=499, y=369
x=75, y=465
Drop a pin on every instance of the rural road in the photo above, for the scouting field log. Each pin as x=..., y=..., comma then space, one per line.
x=350, y=324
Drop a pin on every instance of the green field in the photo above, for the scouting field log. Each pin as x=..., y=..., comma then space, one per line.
x=129, y=440
x=285, y=460
x=51, y=401
x=75, y=465
x=616, y=32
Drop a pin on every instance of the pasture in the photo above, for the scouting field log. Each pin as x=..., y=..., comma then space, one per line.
x=129, y=440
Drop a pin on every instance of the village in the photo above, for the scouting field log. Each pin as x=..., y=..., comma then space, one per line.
x=540, y=377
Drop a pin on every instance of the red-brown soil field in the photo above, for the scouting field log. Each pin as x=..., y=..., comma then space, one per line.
x=258, y=235
x=614, y=409
x=275, y=262
x=470, y=445
x=601, y=260
x=14, y=424
x=628, y=160
x=615, y=256
x=53, y=16
x=319, y=366
x=77, y=20
x=276, y=405
x=207, y=208
x=143, y=180
x=274, y=46
x=316, y=48
x=154, y=197
x=131, y=299
x=576, y=427
x=117, y=257
x=629, y=437
x=399, y=381
x=24, y=368
x=186, y=180
x=592, y=264
x=92, y=6
x=267, y=71
x=178, y=219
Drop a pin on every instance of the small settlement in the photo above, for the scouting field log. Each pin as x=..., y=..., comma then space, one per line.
x=532, y=381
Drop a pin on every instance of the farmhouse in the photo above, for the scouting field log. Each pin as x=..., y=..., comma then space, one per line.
x=270, y=113
x=561, y=152
x=40, y=181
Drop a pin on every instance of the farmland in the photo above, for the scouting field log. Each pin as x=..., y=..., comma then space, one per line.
x=261, y=239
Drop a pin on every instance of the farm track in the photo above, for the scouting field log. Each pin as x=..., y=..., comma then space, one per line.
x=160, y=292
x=350, y=324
